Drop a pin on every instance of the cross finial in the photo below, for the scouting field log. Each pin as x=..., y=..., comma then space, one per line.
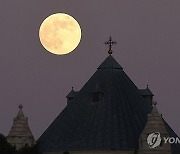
x=110, y=43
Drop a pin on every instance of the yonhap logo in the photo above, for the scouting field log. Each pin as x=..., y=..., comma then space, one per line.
x=154, y=140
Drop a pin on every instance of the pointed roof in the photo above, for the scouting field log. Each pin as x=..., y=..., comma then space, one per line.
x=20, y=113
x=146, y=92
x=110, y=62
x=71, y=94
x=115, y=123
x=20, y=125
x=155, y=122
x=154, y=125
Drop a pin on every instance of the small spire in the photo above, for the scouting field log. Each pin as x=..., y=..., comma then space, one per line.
x=147, y=86
x=72, y=93
x=110, y=43
x=20, y=113
x=20, y=106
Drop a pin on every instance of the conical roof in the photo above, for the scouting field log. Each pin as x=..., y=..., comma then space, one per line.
x=20, y=126
x=155, y=122
x=110, y=62
x=114, y=123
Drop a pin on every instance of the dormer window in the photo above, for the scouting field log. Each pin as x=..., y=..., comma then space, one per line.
x=147, y=95
x=97, y=97
x=97, y=94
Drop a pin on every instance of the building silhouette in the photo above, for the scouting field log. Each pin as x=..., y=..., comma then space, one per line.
x=20, y=134
x=109, y=115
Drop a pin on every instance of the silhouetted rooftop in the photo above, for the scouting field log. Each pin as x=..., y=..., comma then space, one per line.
x=146, y=92
x=71, y=94
x=110, y=62
x=175, y=147
x=115, y=122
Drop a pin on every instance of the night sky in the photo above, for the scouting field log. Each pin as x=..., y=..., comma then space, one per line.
x=147, y=33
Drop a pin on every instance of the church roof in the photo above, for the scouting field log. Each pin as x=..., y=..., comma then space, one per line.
x=113, y=123
x=110, y=62
x=20, y=125
x=155, y=122
x=97, y=89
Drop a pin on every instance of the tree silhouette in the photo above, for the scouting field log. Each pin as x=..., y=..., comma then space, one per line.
x=5, y=147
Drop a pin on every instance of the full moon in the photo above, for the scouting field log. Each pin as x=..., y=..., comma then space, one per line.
x=60, y=33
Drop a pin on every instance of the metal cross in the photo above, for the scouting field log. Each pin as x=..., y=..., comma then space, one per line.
x=110, y=43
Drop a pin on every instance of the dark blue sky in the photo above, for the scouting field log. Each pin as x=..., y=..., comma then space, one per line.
x=148, y=37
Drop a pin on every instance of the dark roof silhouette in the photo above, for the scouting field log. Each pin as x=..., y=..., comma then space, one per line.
x=146, y=92
x=97, y=89
x=115, y=122
x=71, y=94
x=110, y=62
x=175, y=147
